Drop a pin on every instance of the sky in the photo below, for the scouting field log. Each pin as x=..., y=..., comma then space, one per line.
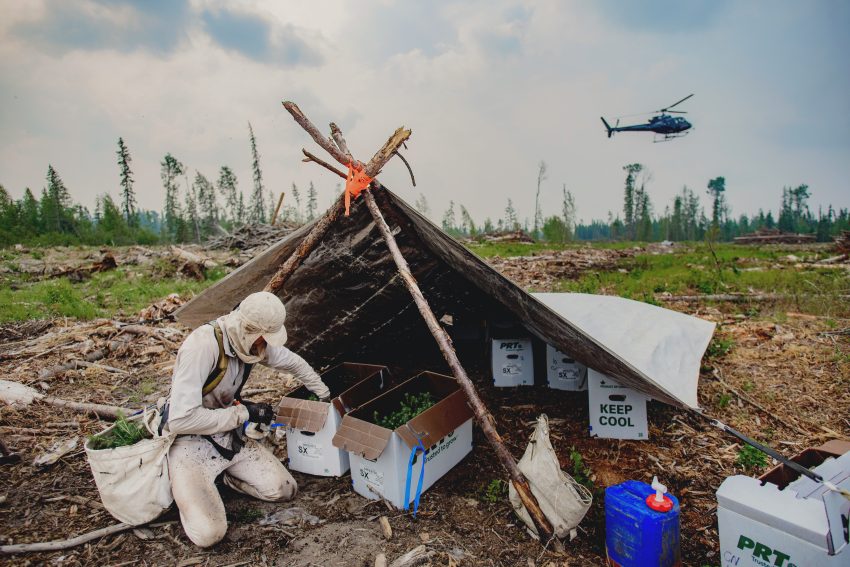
x=490, y=88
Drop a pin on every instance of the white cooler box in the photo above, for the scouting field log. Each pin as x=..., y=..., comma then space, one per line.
x=311, y=425
x=513, y=362
x=793, y=524
x=380, y=456
x=563, y=372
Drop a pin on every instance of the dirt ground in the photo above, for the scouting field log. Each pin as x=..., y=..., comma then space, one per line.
x=782, y=378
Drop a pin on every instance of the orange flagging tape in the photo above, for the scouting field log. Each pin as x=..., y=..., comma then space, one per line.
x=355, y=183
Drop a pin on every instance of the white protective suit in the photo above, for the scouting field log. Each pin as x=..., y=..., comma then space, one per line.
x=193, y=462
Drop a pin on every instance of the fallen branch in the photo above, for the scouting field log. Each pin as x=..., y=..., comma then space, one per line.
x=416, y=556
x=63, y=543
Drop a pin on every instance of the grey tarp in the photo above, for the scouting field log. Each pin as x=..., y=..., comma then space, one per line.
x=347, y=302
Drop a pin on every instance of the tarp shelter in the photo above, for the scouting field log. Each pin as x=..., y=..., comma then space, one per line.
x=346, y=302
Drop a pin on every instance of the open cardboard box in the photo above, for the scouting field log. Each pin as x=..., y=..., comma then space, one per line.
x=311, y=424
x=379, y=456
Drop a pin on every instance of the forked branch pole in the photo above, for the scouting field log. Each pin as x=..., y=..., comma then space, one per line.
x=309, y=243
x=338, y=148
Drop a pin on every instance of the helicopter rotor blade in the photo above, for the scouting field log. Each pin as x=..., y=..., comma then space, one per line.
x=676, y=103
x=677, y=111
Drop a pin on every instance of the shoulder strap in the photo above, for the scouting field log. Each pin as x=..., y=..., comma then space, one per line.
x=220, y=369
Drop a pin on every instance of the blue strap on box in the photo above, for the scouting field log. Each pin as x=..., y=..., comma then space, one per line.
x=413, y=452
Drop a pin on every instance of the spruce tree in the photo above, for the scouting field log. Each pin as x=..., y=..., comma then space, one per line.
x=312, y=202
x=511, y=221
x=227, y=189
x=170, y=169
x=192, y=218
x=29, y=213
x=629, y=202
x=421, y=205
x=128, y=197
x=207, y=206
x=257, y=205
x=538, y=213
x=716, y=188
x=568, y=210
x=297, y=196
x=449, y=221
x=55, y=202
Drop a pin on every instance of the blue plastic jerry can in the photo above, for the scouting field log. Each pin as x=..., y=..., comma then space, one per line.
x=641, y=525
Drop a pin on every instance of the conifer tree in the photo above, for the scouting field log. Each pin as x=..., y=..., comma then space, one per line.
x=449, y=221
x=29, y=213
x=170, y=169
x=55, y=202
x=297, y=196
x=227, y=189
x=256, y=206
x=192, y=218
x=629, y=203
x=467, y=225
x=312, y=202
x=421, y=205
x=272, y=202
x=716, y=188
x=207, y=206
x=128, y=197
x=511, y=221
x=568, y=210
x=538, y=213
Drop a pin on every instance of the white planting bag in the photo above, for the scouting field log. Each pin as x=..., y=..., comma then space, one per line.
x=563, y=501
x=133, y=480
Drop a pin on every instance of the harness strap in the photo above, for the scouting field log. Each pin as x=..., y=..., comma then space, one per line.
x=226, y=453
x=215, y=377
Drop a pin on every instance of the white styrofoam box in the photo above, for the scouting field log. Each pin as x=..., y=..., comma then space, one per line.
x=313, y=453
x=616, y=412
x=563, y=372
x=386, y=476
x=800, y=525
x=513, y=362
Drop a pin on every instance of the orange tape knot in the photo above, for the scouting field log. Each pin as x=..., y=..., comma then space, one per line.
x=355, y=182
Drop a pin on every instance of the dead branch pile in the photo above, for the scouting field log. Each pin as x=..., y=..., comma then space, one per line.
x=161, y=309
x=512, y=236
x=542, y=272
x=842, y=243
x=250, y=236
x=774, y=236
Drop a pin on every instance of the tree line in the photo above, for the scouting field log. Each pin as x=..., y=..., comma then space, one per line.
x=683, y=219
x=191, y=212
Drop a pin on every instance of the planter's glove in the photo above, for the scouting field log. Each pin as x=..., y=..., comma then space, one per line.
x=259, y=412
x=326, y=399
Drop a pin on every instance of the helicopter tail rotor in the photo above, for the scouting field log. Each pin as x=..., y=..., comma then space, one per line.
x=608, y=127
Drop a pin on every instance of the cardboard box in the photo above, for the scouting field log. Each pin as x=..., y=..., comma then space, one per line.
x=311, y=424
x=800, y=524
x=616, y=412
x=513, y=362
x=563, y=372
x=379, y=456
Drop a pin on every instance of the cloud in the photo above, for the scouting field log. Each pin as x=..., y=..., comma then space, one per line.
x=662, y=16
x=257, y=38
x=157, y=26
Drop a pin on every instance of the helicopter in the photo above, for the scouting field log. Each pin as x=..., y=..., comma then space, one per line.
x=668, y=126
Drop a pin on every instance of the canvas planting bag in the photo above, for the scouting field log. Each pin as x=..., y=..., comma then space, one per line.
x=133, y=480
x=563, y=501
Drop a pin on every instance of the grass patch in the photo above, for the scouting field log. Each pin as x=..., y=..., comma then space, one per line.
x=719, y=347
x=103, y=295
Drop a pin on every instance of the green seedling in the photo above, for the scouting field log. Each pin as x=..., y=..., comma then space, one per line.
x=495, y=491
x=411, y=406
x=580, y=472
x=751, y=458
x=719, y=347
x=724, y=400
x=124, y=433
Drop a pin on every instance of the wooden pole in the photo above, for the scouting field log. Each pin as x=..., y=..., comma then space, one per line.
x=309, y=243
x=277, y=208
x=482, y=416
x=337, y=147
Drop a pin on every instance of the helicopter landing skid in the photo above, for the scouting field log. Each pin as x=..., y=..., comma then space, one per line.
x=667, y=137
